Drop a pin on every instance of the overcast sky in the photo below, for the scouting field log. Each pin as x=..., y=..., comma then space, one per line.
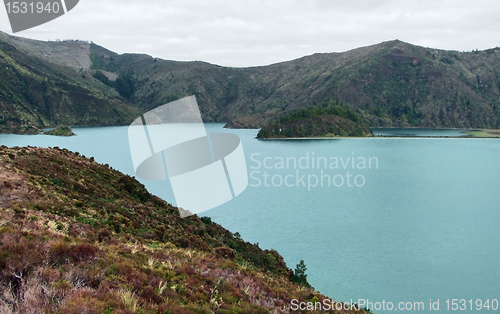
x=260, y=32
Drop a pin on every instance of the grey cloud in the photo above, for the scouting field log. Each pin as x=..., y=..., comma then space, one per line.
x=247, y=33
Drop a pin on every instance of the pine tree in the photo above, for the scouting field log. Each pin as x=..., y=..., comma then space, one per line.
x=299, y=276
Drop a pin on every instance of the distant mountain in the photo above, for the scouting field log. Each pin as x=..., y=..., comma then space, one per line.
x=40, y=86
x=389, y=84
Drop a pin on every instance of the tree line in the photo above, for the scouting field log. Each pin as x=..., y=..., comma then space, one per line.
x=337, y=109
x=124, y=83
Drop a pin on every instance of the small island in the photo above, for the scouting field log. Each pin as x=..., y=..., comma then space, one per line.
x=317, y=121
x=60, y=130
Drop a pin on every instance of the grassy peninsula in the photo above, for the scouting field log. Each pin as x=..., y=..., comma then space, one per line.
x=484, y=133
x=328, y=120
x=77, y=236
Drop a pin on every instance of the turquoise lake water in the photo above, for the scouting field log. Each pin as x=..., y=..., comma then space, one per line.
x=414, y=220
x=418, y=132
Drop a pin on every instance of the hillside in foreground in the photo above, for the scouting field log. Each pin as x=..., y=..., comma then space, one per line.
x=79, y=237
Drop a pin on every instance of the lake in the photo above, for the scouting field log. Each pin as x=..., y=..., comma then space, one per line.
x=410, y=220
x=419, y=132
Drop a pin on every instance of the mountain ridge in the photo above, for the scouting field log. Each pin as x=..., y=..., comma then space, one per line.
x=390, y=84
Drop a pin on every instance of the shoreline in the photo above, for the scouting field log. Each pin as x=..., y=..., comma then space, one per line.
x=469, y=134
x=372, y=137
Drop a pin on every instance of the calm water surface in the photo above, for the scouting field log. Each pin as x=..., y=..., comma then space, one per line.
x=421, y=223
x=418, y=132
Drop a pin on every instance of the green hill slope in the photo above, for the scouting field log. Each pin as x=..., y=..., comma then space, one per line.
x=79, y=237
x=36, y=93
